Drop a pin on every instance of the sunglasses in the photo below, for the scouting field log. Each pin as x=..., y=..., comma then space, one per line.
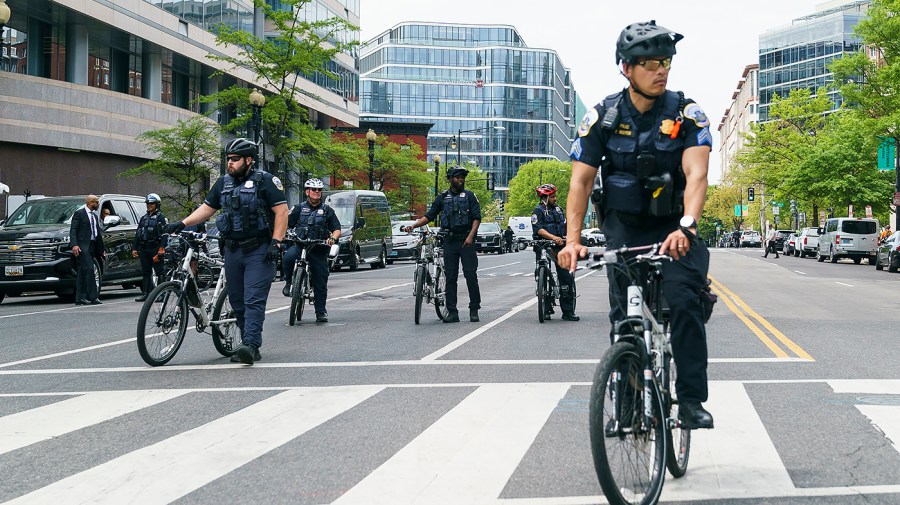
x=653, y=65
x=235, y=158
x=315, y=190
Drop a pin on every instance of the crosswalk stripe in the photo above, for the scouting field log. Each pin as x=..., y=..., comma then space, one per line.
x=172, y=468
x=736, y=456
x=468, y=454
x=43, y=423
x=886, y=418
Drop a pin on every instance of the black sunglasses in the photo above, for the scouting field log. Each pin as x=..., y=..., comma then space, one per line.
x=316, y=190
x=235, y=158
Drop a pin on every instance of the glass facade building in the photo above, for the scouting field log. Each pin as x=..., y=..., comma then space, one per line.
x=471, y=77
x=797, y=56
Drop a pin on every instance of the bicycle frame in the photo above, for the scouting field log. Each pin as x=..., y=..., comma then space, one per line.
x=547, y=262
x=189, y=289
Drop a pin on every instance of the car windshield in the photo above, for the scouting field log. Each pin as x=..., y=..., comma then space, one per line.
x=344, y=208
x=859, y=227
x=488, y=228
x=44, y=212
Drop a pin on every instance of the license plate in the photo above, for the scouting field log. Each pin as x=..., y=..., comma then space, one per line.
x=393, y=253
x=12, y=271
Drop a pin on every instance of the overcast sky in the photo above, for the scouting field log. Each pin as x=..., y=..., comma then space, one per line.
x=721, y=37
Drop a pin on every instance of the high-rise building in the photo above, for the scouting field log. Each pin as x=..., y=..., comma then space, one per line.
x=797, y=56
x=743, y=111
x=82, y=79
x=498, y=101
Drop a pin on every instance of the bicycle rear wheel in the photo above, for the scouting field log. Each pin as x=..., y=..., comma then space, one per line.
x=226, y=337
x=678, y=440
x=440, y=294
x=162, y=324
x=542, y=287
x=629, y=458
x=419, y=291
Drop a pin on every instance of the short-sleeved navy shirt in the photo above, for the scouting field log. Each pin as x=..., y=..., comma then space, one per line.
x=332, y=222
x=271, y=192
x=438, y=205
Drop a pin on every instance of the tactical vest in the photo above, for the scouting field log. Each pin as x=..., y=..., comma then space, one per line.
x=643, y=175
x=311, y=223
x=554, y=220
x=455, y=212
x=148, y=228
x=243, y=211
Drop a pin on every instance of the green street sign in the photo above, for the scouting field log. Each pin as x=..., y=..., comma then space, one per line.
x=737, y=211
x=887, y=152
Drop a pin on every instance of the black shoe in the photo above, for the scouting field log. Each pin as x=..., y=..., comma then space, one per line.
x=473, y=315
x=286, y=290
x=96, y=301
x=550, y=310
x=452, y=317
x=570, y=316
x=246, y=354
x=81, y=302
x=322, y=318
x=693, y=416
x=141, y=298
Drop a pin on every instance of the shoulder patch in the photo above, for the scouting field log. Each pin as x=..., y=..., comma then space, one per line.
x=534, y=219
x=576, y=150
x=704, y=138
x=587, y=122
x=277, y=182
x=693, y=112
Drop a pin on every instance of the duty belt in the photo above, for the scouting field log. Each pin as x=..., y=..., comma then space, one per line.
x=248, y=244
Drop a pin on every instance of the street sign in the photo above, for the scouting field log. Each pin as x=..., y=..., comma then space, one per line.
x=744, y=211
x=868, y=211
x=776, y=210
x=498, y=218
x=887, y=151
x=737, y=211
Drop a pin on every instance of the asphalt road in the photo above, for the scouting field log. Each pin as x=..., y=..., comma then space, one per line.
x=371, y=408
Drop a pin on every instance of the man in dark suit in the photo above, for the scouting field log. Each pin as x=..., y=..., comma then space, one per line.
x=86, y=241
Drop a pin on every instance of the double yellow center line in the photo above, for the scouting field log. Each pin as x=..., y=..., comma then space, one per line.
x=744, y=313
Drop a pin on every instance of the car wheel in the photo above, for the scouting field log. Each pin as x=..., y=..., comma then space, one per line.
x=2, y=296
x=878, y=265
x=819, y=256
x=832, y=257
x=354, y=259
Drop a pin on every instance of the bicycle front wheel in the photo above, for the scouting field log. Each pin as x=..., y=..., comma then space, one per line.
x=678, y=440
x=440, y=294
x=542, y=288
x=419, y=291
x=298, y=300
x=629, y=454
x=226, y=335
x=162, y=324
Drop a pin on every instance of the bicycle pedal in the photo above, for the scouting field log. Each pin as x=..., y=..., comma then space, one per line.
x=673, y=423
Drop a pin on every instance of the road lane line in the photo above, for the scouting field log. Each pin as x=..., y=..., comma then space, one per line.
x=796, y=349
x=469, y=336
x=43, y=423
x=467, y=455
x=168, y=470
x=74, y=307
x=842, y=284
x=777, y=351
x=799, y=272
x=499, y=266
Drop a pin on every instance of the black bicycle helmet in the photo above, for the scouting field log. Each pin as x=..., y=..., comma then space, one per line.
x=457, y=171
x=241, y=147
x=645, y=40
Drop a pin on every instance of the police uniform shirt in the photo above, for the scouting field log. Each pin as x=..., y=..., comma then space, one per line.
x=438, y=206
x=332, y=222
x=270, y=191
x=160, y=237
x=544, y=218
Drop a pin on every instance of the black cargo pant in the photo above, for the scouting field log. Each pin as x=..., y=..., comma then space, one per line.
x=149, y=267
x=454, y=253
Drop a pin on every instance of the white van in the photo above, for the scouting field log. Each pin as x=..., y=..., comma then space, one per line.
x=848, y=237
x=521, y=227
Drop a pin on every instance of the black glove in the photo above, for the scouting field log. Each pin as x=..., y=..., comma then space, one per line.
x=175, y=227
x=274, y=250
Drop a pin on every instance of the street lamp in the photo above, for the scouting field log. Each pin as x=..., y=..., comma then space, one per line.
x=451, y=144
x=459, y=133
x=4, y=18
x=437, y=168
x=257, y=101
x=371, y=136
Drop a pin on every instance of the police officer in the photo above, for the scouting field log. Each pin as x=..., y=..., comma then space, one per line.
x=548, y=221
x=252, y=223
x=508, y=238
x=651, y=147
x=149, y=244
x=460, y=216
x=312, y=220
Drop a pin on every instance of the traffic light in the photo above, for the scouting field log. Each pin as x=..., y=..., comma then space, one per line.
x=793, y=206
x=751, y=194
x=490, y=181
x=501, y=206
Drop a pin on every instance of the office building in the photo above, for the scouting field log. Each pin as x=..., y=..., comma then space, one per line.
x=743, y=112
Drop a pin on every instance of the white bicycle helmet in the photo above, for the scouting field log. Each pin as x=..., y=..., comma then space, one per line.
x=314, y=184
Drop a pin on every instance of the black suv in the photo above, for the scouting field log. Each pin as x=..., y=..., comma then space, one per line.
x=35, y=253
x=489, y=237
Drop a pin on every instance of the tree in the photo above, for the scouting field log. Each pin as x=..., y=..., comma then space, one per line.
x=297, y=48
x=720, y=203
x=522, y=198
x=188, y=156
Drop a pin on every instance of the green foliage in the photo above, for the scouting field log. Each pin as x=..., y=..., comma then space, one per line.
x=719, y=208
x=188, y=157
x=522, y=198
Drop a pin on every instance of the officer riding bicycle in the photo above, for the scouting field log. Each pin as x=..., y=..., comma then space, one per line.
x=651, y=148
x=548, y=221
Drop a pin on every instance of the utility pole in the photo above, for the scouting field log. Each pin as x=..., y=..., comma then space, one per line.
x=762, y=207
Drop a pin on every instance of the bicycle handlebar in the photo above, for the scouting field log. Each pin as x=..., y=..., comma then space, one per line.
x=645, y=253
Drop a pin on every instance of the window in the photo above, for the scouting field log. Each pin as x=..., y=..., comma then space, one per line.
x=123, y=210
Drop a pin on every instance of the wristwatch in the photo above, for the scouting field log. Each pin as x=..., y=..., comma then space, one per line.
x=688, y=222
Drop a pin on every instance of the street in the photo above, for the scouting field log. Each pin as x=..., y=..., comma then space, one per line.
x=371, y=408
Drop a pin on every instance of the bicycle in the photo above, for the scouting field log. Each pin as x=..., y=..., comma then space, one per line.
x=301, y=293
x=547, y=280
x=430, y=278
x=163, y=320
x=634, y=427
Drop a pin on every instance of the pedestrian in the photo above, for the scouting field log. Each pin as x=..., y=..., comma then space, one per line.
x=86, y=241
x=312, y=220
x=653, y=147
x=885, y=233
x=252, y=224
x=770, y=243
x=460, y=216
x=548, y=221
x=509, y=237
x=149, y=244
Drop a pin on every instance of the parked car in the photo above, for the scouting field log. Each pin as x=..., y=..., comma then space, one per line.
x=750, y=238
x=848, y=237
x=365, y=218
x=405, y=245
x=888, y=253
x=521, y=227
x=781, y=238
x=807, y=242
x=790, y=244
x=593, y=237
x=35, y=253
x=489, y=238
